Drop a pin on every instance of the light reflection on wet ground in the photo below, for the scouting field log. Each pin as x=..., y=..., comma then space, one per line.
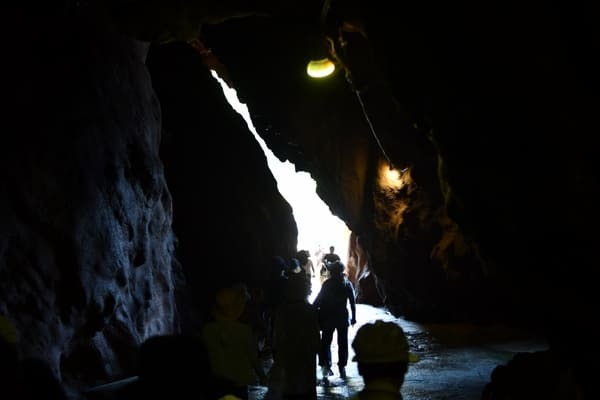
x=455, y=360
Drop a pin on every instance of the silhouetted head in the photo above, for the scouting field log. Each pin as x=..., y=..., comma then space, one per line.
x=278, y=263
x=381, y=350
x=295, y=267
x=297, y=287
x=336, y=268
x=175, y=366
x=303, y=256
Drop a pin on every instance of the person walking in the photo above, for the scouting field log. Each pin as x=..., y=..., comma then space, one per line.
x=274, y=296
x=331, y=257
x=332, y=307
x=296, y=344
x=306, y=263
x=327, y=260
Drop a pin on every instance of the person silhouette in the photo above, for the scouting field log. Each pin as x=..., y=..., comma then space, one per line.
x=332, y=306
x=328, y=259
x=169, y=366
x=274, y=296
x=381, y=351
x=231, y=343
x=296, y=344
x=306, y=263
x=331, y=257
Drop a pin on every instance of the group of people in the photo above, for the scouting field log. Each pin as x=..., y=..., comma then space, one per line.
x=296, y=332
x=301, y=335
x=228, y=356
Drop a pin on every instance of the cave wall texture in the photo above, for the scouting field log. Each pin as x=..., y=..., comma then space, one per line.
x=130, y=189
x=86, y=244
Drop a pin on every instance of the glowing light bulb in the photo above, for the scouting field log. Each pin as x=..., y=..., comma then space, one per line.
x=393, y=174
x=320, y=68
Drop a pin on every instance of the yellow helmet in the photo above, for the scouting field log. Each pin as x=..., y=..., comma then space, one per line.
x=381, y=342
x=230, y=303
x=229, y=397
x=8, y=333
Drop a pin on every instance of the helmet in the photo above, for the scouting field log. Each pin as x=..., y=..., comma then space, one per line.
x=381, y=342
x=230, y=303
x=335, y=267
x=8, y=333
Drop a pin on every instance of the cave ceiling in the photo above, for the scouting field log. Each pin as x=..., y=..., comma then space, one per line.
x=476, y=101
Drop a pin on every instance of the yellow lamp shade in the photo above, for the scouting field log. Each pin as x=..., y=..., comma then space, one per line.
x=320, y=68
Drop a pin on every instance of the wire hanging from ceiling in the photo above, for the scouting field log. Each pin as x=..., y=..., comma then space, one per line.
x=368, y=119
x=348, y=76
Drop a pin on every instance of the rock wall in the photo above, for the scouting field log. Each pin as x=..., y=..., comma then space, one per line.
x=229, y=217
x=86, y=245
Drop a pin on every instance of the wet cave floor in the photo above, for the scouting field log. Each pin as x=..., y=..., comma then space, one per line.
x=455, y=360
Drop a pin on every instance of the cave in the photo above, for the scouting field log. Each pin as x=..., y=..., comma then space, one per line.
x=130, y=188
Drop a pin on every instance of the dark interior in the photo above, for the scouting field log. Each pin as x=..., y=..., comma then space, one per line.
x=129, y=188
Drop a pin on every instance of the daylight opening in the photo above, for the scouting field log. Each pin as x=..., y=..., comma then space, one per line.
x=317, y=227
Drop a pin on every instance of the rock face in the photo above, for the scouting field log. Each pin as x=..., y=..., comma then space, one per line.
x=86, y=243
x=114, y=231
x=229, y=217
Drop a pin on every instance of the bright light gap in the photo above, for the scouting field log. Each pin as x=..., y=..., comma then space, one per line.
x=317, y=227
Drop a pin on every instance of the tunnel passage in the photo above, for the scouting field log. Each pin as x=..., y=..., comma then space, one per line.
x=494, y=126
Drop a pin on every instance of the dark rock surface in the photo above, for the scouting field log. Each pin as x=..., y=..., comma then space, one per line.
x=86, y=243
